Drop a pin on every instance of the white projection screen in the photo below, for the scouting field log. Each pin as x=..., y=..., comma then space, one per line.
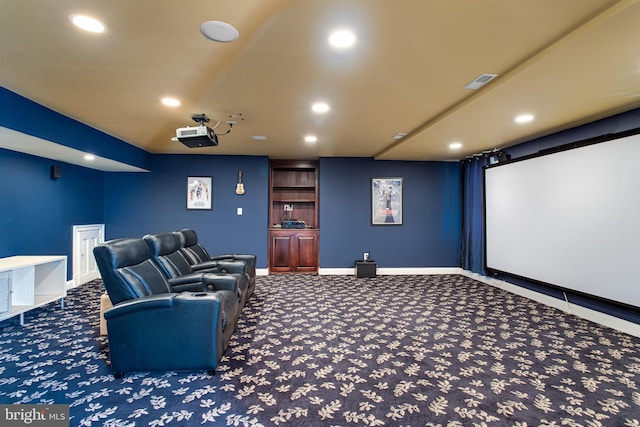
x=570, y=219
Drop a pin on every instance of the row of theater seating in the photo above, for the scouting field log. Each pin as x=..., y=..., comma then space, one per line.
x=175, y=307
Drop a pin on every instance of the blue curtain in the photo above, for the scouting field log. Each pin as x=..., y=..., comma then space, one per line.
x=473, y=247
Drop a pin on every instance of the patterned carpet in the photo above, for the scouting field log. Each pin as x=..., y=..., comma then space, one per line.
x=341, y=351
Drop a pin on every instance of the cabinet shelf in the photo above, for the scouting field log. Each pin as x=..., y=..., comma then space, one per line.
x=295, y=183
x=292, y=200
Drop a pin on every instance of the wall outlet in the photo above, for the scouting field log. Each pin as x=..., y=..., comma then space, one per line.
x=288, y=208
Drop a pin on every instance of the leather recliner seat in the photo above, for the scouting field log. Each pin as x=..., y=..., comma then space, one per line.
x=150, y=326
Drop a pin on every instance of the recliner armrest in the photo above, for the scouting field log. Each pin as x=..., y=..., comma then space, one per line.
x=251, y=259
x=172, y=301
x=220, y=282
x=237, y=267
x=203, y=282
x=204, y=265
x=186, y=278
x=151, y=302
x=225, y=266
x=181, y=306
x=189, y=282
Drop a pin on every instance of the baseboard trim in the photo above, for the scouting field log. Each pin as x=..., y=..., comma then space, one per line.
x=336, y=271
x=393, y=271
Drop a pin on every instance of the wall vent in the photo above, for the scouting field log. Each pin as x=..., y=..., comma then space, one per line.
x=480, y=81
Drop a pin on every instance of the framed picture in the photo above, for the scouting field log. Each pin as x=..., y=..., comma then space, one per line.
x=199, y=192
x=386, y=201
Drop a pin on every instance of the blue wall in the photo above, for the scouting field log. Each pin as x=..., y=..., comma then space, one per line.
x=430, y=234
x=38, y=212
x=141, y=203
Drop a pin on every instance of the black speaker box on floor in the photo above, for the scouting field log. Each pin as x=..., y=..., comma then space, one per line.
x=366, y=268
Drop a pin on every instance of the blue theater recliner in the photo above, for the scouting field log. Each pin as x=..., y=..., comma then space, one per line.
x=151, y=327
x=164, y=249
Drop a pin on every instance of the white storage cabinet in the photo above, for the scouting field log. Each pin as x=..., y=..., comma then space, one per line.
x=27, y=282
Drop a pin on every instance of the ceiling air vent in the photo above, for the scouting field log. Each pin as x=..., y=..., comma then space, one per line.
x=480, y=81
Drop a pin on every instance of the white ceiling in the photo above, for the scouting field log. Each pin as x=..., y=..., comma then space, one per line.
x=566, y=62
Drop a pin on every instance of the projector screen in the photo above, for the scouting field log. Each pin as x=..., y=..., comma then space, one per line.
x=570, y=219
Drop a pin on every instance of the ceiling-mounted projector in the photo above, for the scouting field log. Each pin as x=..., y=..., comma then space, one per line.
x=197, y=136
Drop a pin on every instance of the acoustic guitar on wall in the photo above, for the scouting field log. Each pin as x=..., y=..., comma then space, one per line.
x=240, y=185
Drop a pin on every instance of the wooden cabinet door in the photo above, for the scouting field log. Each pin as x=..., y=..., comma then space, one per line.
x=281, y=253
x=307, y=252
x=293, y=251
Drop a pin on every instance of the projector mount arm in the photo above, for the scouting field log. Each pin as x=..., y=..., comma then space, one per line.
x=201, y=119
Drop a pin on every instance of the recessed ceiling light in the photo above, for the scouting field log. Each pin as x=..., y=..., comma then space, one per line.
x=455, y=145
x=524, y=118
x=342, y=39
x=258, y=137
x=310, y=138
x=170, y=102
x=89, y=157
x=320, y=107
x=88, y=23
x=218, y=31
